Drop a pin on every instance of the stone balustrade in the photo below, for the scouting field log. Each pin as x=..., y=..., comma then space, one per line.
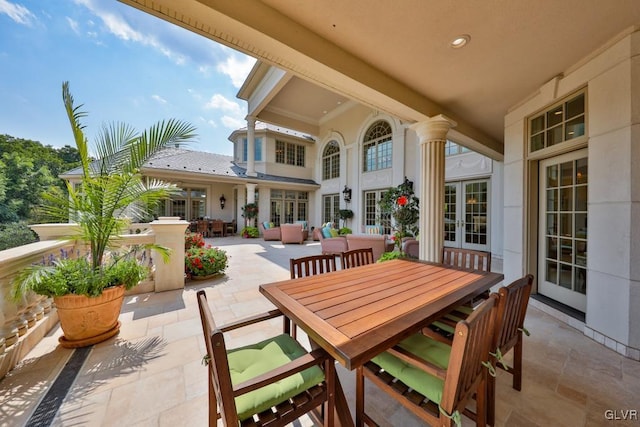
x=25, y=321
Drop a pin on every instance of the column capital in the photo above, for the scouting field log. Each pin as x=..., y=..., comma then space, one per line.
x=251, y=121
x=433, y=129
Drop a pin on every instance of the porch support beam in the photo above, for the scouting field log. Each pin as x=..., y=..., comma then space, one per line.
x=432, y=134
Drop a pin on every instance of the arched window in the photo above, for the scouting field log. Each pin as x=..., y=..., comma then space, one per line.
x=331, y=161
x=377, y=147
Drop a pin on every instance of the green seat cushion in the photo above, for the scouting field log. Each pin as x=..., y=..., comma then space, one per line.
x=250, y=361
x=424, y=347
x=452, y=316
x=333, y=232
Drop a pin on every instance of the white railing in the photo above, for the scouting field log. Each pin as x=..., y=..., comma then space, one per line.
x=25, y=321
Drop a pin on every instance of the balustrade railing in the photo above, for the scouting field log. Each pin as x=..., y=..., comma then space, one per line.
x=25, y=321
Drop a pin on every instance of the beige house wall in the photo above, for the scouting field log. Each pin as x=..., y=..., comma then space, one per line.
x=612, y=82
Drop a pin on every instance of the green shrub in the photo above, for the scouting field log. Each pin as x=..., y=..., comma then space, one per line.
x=75, y=276
x=250, y=231
x=200, y=261
x=387, y=256
x=16, y=234
x=344, y=231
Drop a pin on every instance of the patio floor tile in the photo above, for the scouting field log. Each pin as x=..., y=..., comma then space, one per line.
x=151, y=373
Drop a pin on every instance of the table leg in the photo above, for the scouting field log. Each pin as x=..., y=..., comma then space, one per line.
x=342, y=416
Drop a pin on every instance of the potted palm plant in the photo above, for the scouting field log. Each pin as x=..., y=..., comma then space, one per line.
x=110, y=185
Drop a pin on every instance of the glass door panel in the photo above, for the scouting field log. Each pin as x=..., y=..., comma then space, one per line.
x=563, y=230
x=466, y=216
x=451, y=221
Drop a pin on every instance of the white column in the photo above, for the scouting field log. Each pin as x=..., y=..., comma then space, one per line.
x=432, y=134
x=251, y=198
x=251, y=144
x=251, y=192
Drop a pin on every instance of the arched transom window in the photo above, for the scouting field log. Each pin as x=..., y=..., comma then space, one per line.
x=377, y=147
x=331, y=161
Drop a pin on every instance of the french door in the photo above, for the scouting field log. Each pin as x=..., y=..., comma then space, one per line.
x=466, y=216
x=562, y=266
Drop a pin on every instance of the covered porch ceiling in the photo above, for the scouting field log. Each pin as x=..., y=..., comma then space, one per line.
x=396, y=56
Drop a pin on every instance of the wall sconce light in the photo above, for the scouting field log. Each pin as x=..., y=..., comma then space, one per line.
x=222, y=201
x=346, y=194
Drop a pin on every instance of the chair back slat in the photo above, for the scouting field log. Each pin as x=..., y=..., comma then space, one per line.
x=218, y=367
x=465, y=258
x=311, y=265
x=512, y=309
x=470, y=348
x=357, y=258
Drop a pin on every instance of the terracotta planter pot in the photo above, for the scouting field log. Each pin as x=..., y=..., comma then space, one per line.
x=86, y=321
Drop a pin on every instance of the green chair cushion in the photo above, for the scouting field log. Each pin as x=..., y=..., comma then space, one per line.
x=451, y=316
x=424, y=347
x=334, y=232
x=250, y=361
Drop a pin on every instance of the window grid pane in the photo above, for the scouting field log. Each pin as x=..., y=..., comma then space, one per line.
x=279, y=152
x=377, y=147
x=558, y=124
x=566, y=225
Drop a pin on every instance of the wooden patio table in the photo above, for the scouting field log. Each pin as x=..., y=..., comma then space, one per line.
x=356, y=314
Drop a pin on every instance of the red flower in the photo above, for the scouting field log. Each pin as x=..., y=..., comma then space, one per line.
x=402, y=200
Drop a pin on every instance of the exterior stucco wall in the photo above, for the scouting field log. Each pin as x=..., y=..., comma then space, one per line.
x=613, y=93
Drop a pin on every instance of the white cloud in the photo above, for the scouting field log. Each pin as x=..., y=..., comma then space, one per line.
x=159, y=99
x=236, y=67
x=18, y=13
x=120, y=28
x=232, y=122
x=73, y=24
x=219, y=102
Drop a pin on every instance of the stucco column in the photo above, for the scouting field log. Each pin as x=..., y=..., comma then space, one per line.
x=251, y=144
x=432, y=134
x=169, y=232
x=251, y=198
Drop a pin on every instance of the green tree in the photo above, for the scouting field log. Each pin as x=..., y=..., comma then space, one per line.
x=27, y=171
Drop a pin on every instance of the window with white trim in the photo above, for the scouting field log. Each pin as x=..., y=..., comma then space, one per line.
x=257, y=149
x=289, y=153
x=451, y=148
x=377, y=147
x=562, y=122
x=372, y=213
x=288, y=206
x=330, y=208
x=331, y=161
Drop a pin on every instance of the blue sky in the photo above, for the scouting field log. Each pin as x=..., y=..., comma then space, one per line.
x=122, y=64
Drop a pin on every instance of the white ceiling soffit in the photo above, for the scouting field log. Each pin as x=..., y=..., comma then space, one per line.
x=395, y=55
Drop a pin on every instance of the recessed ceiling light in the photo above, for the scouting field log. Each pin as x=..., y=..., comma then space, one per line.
x=460, y=41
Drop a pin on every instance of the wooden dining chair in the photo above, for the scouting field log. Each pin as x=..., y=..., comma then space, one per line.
x=461, y=258
x=273, y=382
x=311, y=265
x=513, y=301
x=217, y=227
x=431, y=379
x=466, y=258
x=357, y=258
x=203, y=227
x=230, y=228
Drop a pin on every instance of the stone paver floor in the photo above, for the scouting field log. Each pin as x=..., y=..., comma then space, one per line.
x=151, y=373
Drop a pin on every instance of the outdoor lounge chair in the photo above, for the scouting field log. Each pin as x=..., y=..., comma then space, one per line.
x=292, y=233
x=272, y=233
